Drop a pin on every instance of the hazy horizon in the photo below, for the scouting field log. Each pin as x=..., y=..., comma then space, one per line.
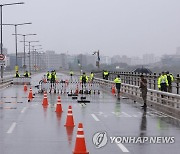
x=116, y=27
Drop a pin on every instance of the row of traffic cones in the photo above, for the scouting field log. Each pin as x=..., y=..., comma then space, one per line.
x=80, y=145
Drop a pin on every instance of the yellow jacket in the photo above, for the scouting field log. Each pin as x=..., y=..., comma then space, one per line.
x=117, y=80
x=162, y=79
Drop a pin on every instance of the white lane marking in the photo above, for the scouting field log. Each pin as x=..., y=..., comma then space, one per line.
x=122, y=147
x=23, y=110
x=135, y=116
x=126, y=114
x=95, y=118
x=10, y=130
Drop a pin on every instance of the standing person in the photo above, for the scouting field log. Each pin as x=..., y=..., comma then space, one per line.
x=106, y=75
x=117, y=81
x=92, y=76
x=17, y=74
x=170, y=79
x=84, y=80
x=163, y=82
x=26, y=74
x=143, y=88
x=53, y=81
x=71, y=73
x=47, y=75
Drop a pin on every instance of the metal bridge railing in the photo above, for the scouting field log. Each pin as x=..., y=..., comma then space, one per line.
x=134, y=79
x=163, y=101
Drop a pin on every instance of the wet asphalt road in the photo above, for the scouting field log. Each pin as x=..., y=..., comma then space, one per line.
x=28, y=128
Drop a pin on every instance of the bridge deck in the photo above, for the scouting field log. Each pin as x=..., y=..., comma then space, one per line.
x=27, y=127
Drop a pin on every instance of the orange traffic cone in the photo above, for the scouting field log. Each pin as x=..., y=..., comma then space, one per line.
x=45, y=100
x=80, y=145
x=58, y=106
x=113, y=89
x=30, y=96
x=25, y=87
x=69, y=119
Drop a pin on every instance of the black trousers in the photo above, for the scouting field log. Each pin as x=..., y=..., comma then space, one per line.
x=163, y=87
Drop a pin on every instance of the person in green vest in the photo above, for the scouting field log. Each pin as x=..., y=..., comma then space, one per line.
x=163, y=82
x=170, y=79
x=106, y=75
x=92, y=76
x=17, y=74
x=26, y=74
x=117, y=81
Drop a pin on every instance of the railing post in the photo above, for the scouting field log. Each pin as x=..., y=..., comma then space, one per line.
x=135, y=78
x=154, y=84
x=177, y=82
x=150, y=80
x=132, y=78
x=138, y=79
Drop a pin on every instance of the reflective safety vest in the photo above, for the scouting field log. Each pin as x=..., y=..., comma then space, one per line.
x=91, y=76
x=17, y=75
x=170, y=78
x=26, y=74
x=48, y=75
x=106, y=73
x=71, y=73
x=162, y=79
x=52, y=76
x=84, y=78
x=117, y=80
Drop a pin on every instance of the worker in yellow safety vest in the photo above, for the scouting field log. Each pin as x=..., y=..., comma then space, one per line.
x=163, y=82
x=26, y=74
x=71, y=73
x=170, y=79
x=91, y=76
x=117, y=81
x=52, y=78
x=84, y=78
x=17, y=74
x=106, y=75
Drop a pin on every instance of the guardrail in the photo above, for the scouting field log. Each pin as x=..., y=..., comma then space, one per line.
x=6, y=79
x=163, y=101
x=133, y=78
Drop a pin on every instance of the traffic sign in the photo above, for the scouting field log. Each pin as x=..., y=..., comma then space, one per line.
x=2, y=57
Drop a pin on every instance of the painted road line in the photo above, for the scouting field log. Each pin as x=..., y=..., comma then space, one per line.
x=135, y=116
x=122, y=147
x=10, y=130
x=95, y=118
x=126, y=114
x=23, y=110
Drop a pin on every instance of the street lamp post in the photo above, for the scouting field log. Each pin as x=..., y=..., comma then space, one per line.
x=1, y=6
x=15, y=25
x=29, y=42
x=24, y=41
x=34, y=54
x=98, y=58
x=36, y=57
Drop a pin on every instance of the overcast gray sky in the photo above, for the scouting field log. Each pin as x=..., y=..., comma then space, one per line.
x=131, y=27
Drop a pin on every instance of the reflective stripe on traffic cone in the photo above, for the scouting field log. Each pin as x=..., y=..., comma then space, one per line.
x=30, y=96
x=69, y=119
x=45, y=100
x=80, y=145
x=59, y=106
